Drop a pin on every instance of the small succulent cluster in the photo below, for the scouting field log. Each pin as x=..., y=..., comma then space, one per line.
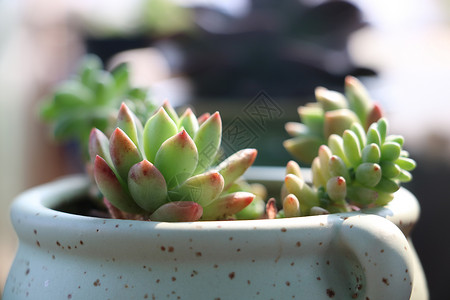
x=359, y=169
x=91, y=99
x=331, y=114
x=162, y=171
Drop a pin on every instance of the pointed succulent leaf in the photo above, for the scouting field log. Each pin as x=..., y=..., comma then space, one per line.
x=374, y=115
x=336, y=145
x=291, y=206
x=177, y=159
x=296, y=128
x=371, y=153
x=318, y=177
x=124, y=153
x=404, y=176
x=305, y=195
x=147, y=186
x=390, y=151
x=337, y=188
x=112, y=189
x=324, y=157
x=337, y=121
x=389, y=169
x=203, y=118
x=330, y=100
x=337, y=167
x=313, y=117
x=189, y=122
x=360, y=133
x=121, y=75
x=405, y=163
x=387, y=185
x=126, y=122
x=158, y=129
x=207, y=140
x=358, y=98
x=184, y=211
x=382, y=128
x=352, y=147
x=373, y=135
x=368, y=174
x=171, y=112
x=99, y=145
x=202, y=189
x=227, y=205
x=292, y=167
x=304, y=148
x=235, y=166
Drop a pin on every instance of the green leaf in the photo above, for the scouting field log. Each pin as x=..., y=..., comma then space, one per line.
x=330, y=100
x=304, y=148
x=313, y=117
x=305, y=195
x=337, y=167
x=336, y=145
x=291, y=206
x=124, y=153
x=178, y=212
x=99, y=145
x=373, y=135
x=227, y=205
x=207, y=140
x=112, y=189
x=390, y=151
x=352, y=148
x=157, y=130
x=202, y=189
x=337, y=188
x=358, y=98
x=389, y=169
x=177, y=159
x=147, y=186
x=235, y=166
x=189, y=122
x=368, y=174
x=126, y=122
x=371, y=153
x=337, y=121
x=405, y=163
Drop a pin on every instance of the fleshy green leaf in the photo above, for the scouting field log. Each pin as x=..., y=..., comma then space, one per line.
x=337, y=121
x=124, y=153
x=207, y=140
x=235, y=166
x=368, y=174
x=184, y=211
x=157, y=130
x=352, y=148
x=111, y=187
x=147, y=186
x=202, y=188
x=177, y=159
x=227, y=205
x=291, y=206
x=189, y=122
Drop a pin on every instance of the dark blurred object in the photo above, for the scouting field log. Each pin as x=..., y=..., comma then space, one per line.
x=283, y=47
x=106, y=48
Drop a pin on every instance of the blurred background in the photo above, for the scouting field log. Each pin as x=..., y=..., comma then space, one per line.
x=231, y=55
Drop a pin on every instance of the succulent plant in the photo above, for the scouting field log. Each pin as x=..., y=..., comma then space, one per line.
x=333, y=113
x=162, y=171
x=91, y=99
x=356, y=170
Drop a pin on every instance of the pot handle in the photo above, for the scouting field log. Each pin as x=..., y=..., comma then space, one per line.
x=383, y=253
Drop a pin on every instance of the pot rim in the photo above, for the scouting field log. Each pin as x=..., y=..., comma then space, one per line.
x=403, y=210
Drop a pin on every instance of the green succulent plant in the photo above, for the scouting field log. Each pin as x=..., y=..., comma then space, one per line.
x=333, y=113
x=359, y=169
x=90, y=99
x=162, y=171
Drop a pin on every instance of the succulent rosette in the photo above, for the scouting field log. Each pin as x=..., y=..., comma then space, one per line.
x=90, y=99
x=162, y=171
x=356, y=170
x=333, y=113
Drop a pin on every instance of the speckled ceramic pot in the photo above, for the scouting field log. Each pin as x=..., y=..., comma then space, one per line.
x=67, y=256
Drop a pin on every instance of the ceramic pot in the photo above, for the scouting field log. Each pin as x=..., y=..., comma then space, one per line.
x=340, y=256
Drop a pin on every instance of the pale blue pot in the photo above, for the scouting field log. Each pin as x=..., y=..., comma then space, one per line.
x=338, y=256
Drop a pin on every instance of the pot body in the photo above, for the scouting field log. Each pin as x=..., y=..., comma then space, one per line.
x=340, y=256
